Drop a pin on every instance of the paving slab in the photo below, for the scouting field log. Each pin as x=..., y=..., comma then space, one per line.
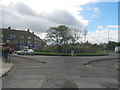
x=5, y=67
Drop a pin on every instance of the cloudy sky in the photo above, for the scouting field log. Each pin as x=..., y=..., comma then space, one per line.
x=99, y=16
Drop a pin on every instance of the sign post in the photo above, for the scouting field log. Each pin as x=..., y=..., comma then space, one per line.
x=9, y=39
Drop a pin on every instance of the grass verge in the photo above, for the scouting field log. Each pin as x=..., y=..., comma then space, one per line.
x=69, y=54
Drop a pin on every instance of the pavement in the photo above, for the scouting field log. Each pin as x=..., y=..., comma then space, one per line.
x=5, y=67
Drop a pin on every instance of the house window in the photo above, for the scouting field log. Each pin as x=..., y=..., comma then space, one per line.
x=35, y=38
x=22, y=41
x=13, y=36
x=15, y=41
x=29, y=37
x=22, y=37
x=29, y=41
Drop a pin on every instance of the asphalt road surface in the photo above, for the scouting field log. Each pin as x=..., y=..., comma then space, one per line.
x=62, y=72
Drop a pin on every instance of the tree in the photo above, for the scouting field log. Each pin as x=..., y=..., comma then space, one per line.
x=63, y=35
x=57, y=34
x=75, y=35
x=118, y=44
x=111, y=45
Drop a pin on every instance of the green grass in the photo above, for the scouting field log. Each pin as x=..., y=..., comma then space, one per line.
x=69, y=54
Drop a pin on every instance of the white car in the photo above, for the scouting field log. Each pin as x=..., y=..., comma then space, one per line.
x=117, y=49
x=26, y=51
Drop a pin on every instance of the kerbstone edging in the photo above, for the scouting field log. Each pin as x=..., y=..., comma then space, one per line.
x=88, y=62
x=8, y=69
x=116, y=66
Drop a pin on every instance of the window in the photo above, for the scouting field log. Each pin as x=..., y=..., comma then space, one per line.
x=22, y=41
x=22, y=37
x=13, y=36
x=29, y=37
x=35, y=38
x=25, y=50
x=15, y=41
x=29, y=41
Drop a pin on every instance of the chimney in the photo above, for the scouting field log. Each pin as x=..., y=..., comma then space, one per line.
x=28, y=30
x=9, y=27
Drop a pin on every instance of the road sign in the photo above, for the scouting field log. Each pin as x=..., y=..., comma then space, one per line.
x=9, y=37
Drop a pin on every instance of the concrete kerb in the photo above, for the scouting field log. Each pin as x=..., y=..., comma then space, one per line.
x=5, y=72
x=31, y=59
x=116, y=66
x=88, y=62
x=73, y=55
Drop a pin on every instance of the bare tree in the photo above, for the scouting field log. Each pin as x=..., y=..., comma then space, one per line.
x=63, y=35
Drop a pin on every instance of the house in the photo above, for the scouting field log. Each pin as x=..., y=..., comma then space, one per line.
x=22, y=38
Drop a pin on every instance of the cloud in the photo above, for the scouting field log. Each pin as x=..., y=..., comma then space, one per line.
x=101, y=36
x=62, y=17
x=91, y=11
x=33, y=7
x=96, y=12
x=24, y=9
x=23, y=16
x=109, y=0
x=113, y=26
x=85, y=22
x=100, y=27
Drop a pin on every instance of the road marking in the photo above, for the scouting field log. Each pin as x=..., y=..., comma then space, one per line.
x=36, y=66
x=104, y=68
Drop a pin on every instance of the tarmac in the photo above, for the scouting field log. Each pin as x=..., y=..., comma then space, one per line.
x=5, y=67
x=40, y=77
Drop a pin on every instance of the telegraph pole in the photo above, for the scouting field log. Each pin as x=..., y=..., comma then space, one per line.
x=85, y=34
x=108, y=35
x=108, y=40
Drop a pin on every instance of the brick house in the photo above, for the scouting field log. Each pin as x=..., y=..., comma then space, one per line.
x=22, y=38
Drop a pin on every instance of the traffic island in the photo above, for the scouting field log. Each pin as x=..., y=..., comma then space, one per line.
x=88, y=62
x=69, y=54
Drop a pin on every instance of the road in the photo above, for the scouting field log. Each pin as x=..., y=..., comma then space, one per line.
x=61, y=72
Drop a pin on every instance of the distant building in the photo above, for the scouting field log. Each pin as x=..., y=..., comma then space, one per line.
x=22, y=38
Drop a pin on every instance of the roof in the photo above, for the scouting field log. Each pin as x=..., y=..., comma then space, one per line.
x=20, y=31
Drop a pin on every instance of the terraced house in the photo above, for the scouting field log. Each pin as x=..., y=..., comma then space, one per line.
x=22, y=38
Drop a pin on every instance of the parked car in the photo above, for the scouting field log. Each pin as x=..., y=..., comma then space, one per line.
x=117, y=49
x=26, y=51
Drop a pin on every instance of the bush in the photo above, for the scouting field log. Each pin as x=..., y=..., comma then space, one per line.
x=68, y=48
